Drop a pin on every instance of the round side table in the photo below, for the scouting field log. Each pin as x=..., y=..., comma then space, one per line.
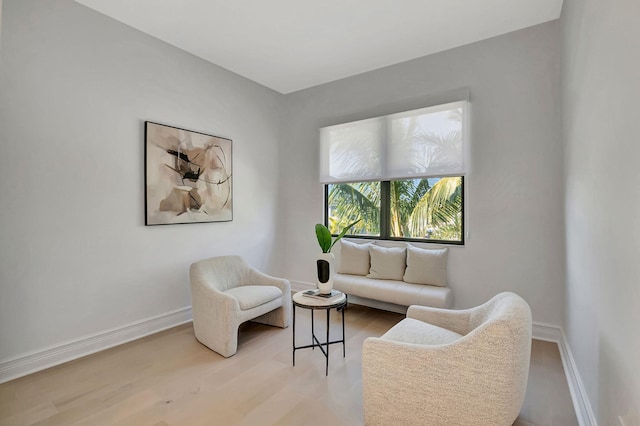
x=338, y=302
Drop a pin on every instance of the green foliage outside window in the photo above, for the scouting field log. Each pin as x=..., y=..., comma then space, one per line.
x=417, y=209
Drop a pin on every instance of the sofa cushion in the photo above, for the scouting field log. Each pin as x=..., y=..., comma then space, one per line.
x=387, y=263
x=392, y=291
x=426, y=266
x=250, y=296
x=411, y=330
x=354, y=258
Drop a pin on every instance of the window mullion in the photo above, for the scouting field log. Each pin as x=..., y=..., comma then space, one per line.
x=326, y=205
x=385, y=209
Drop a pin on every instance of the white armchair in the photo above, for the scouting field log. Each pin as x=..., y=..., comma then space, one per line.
x=445, y=367
x=225, y=292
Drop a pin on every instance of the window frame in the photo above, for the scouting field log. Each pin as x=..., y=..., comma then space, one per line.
x=385, y=217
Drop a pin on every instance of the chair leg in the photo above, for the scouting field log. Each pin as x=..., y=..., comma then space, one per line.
x=224, y=342
x=231, y=347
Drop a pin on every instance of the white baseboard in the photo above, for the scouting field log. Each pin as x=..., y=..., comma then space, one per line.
x=48, y=357
x=579, y=395
x=581, y=404
x=547, y=332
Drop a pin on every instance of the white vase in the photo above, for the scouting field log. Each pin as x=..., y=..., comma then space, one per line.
x=325, y=272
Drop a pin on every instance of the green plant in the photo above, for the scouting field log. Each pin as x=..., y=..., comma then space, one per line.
x=324, y=236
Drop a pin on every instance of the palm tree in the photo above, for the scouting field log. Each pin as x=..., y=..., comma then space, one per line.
x=350, y=202
x=405, y=196
x=438, y=214
x=420, y=208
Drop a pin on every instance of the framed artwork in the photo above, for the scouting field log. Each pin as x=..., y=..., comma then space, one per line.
x=188, y=176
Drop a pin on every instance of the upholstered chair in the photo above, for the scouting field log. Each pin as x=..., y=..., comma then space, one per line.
x=446, y=367
x=225, y=292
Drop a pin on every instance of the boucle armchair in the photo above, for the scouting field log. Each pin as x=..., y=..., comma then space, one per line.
x=445, y=367
x=225, y=292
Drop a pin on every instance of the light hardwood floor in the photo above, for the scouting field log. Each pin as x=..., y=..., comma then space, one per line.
x=171, y=379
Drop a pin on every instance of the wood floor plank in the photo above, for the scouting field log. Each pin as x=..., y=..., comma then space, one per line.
x=170, y=379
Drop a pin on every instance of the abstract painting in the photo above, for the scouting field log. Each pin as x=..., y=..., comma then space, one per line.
x=187, y=176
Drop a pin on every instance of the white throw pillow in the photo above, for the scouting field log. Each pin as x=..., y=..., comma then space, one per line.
x=387, y=263
x=354, y=258
x=426, y=266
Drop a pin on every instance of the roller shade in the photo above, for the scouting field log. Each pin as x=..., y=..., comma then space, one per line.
x=426, y=142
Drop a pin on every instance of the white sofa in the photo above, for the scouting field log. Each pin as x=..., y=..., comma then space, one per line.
x=393, y=278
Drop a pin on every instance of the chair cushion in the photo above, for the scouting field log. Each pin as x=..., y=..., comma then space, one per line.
x=387, y=263
x=411, y=330
x=426, y=266
x=250, y=296
x=354, y=258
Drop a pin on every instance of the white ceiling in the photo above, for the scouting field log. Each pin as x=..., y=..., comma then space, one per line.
x=289, y=45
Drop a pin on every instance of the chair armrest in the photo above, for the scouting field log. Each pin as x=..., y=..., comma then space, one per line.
x=255, y=277
x=398, y=369
x=207, y=296
x=454, y=320
x=440, y=384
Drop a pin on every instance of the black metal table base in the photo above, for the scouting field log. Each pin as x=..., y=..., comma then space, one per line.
x=324, y=346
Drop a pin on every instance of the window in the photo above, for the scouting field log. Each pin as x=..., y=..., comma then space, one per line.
x=402, y=174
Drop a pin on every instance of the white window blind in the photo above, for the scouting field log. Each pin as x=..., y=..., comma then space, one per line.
x=421, y=143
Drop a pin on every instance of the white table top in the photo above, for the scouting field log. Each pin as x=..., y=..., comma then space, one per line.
x=313, y=302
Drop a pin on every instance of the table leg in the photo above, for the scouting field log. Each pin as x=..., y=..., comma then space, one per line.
x=294, y=335
x=326, y=370
x=344, y=351
x=312, y=330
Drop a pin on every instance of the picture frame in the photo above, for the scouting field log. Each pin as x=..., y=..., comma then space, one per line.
x=188, y=176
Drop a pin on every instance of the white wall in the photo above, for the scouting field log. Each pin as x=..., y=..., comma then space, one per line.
x=601, y=89
x=75, y=90
x=515, y=197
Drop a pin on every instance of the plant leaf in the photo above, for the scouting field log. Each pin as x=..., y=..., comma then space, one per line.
x=342, y=234
x=324, y=237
